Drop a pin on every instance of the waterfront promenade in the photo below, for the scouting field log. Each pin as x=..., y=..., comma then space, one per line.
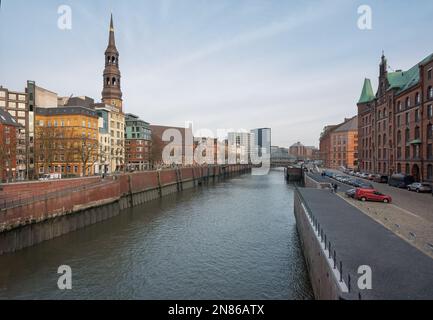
x=410, y=216
x=399, y=270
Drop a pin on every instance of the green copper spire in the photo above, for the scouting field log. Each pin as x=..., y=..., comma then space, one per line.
x=367, y=94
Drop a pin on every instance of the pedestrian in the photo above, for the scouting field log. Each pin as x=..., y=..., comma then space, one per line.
x=335, y=188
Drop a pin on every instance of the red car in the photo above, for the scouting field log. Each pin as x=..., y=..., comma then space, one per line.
x=371, y=195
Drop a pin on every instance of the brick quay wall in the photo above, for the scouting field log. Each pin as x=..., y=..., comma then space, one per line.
x=46, y=215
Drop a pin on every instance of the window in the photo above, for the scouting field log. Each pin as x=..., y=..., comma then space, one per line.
x=430, y=92
x=429, y=74
x=399, y=121
x=407, y=135
x=429, y=131
x=417, y=115
x=429, y=152
x=398, y=137
x=418, y=98
x=407, y=169
x=408, y=102
x=407, y=118
x=407, y=152
x=417, y=133
x=416, y=151
x=430, y=111
x=430, y=172
x=399, y=107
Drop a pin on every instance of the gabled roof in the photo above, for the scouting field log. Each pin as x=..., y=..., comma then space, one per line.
x=348, y=125
x=7, y=119
x=367, y=94
x=403, y=80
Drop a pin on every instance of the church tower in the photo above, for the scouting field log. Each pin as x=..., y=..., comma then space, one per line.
x=112, y=94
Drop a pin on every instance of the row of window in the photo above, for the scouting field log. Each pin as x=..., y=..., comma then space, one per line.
x=408, y=101
x=68, y=123
x=12, y=96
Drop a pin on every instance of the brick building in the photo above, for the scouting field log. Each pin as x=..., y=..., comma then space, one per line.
x=302, y=152
x=339, y=145
x=395, y=124
x=15, y=103
x=11, y=142
x=185, y=148
x=138, y=143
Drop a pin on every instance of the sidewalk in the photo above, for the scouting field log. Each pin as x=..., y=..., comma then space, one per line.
x=412, y=228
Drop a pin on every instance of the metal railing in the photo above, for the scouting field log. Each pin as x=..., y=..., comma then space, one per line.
x=337, y=264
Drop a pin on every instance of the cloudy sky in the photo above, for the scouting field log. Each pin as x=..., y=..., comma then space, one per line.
x=294, y=66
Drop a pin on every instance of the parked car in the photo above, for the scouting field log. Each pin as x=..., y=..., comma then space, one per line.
x=351, y=193
x=420, y=187
x=380, y=179
x=362, y=184
x=371, y=195
x=400, y=180
x=345, y=179
x=371, y=177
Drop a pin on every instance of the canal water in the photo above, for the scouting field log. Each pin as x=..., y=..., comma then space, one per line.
x=236, y=239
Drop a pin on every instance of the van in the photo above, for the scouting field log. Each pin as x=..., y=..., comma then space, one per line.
x=381, y=179
x=53, y=176
x=400, y=180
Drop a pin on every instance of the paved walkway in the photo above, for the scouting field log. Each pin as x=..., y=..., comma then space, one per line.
x=420, y=204
x=400, y=271
x=412, y=227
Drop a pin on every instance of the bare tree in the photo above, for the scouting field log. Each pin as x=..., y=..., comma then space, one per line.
x=45, y=146
x=88, y=151
x=156, y=148
x=69, y=148
x=5, y=157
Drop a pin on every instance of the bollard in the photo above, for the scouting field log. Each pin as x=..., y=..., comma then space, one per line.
x=329, y=248
x=349, y=282
x=341, y=271
x=335, y=260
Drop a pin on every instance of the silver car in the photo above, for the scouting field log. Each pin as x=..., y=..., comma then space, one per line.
x=419, y=187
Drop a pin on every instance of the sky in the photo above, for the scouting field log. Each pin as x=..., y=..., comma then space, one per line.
x=293, y=66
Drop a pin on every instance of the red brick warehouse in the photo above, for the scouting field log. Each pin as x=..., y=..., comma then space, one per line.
x=395, y=125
